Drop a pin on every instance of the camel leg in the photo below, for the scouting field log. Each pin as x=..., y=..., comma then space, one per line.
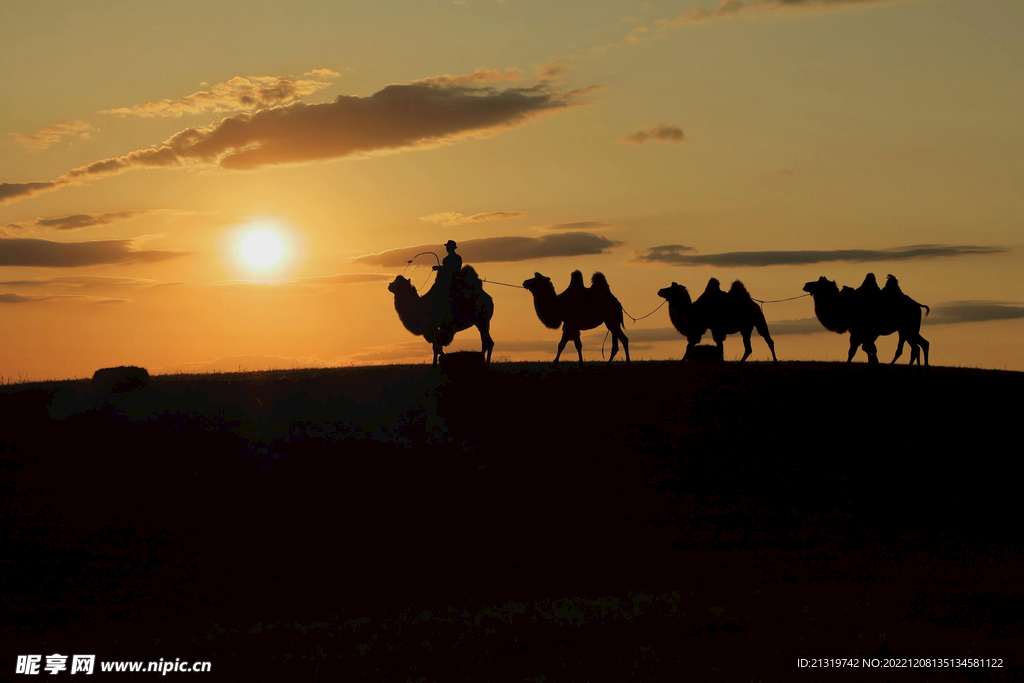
x=854, y=344
x=747, y=348
x=872, y=351
x=579, y=347
x=924, y=347
x=899, y=351
x=720, y=343
x=617, y=334
x=561, y=346
x=761, y=326
x=485, y=338
x=437, y=351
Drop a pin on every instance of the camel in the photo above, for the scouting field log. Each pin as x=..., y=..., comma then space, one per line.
x=723, y=313
x=868, y=313
x=471, y=307
x=578, y=308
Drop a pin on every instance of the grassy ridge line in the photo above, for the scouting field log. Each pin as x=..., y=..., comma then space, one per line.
x=293, y=496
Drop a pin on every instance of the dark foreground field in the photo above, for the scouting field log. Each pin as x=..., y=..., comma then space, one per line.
x=655, y=522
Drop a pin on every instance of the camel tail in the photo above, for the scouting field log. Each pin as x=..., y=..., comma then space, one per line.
x=926, y=309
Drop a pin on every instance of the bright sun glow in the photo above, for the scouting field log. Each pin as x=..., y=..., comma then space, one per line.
x=262, y=248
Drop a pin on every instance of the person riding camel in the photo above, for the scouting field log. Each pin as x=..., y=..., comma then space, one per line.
x=446, y=273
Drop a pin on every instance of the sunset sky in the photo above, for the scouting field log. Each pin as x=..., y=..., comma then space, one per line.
x=773, y=141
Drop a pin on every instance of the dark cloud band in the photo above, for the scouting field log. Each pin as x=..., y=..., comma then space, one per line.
x=502, y=249
x=47, y=254
x=679, y=255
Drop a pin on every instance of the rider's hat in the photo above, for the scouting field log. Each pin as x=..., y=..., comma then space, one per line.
x=451, y=243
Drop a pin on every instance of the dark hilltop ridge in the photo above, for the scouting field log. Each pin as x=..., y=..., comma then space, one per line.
x=659, y=521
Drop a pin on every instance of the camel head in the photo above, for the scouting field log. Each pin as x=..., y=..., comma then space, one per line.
x=821, y=286
x=675, y=294
x=538, y=283
x=399, y=284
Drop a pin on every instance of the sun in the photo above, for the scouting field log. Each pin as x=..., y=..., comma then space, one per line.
x=262, y=248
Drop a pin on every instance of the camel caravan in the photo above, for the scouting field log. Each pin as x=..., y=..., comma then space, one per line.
x=457, y=301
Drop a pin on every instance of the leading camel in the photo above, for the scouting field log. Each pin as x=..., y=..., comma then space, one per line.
x=471, y=306
x=723, y=313
x=578, y=308
x=868, y=313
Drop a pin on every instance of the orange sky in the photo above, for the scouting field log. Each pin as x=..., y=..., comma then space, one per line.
x=772, y=141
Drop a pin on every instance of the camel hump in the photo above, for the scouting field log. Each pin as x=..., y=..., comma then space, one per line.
x=599, y=283
x=576, y=279
x=713, y=286
x=870, y=283
x=738, y=289
x=469, y=278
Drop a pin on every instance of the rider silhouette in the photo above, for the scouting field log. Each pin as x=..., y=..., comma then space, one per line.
x=446, y=272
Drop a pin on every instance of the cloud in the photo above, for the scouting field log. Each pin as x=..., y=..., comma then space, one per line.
x=975, y=311
x=75, y=221
x=728, y=8
x=323, y=73
x=252, y=92
x=46, y=254
x=399, y=117
x=12, y=192
x=554, y=71
x=34, y=298
x=578, y=225
x=660, y=133
x=85, y=281
x=678, y=255
x=502, y=249
x=481, y=75
x=453, y=218
x=42, y=139
x=314, y=281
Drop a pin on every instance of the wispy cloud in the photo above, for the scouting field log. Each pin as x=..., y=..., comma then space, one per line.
x=85, y=282
x=678, y=255
x=453, y=218
x=729, y=8
x=481, y=75
x=578, y=225
x=47, y=254
x=12, y=192
x=75, y=221
x=975, y=311
x=42, y=139
x=314, y=282
x=239, y=93
x=660, y=133
x=36, y=298
x=503, y=249
x=324, y=73
x=399, y=117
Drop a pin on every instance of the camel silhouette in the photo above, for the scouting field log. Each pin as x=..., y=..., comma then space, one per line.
x=578, y=308
x=868, y=313
x=723, y=313
x=471, y=306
